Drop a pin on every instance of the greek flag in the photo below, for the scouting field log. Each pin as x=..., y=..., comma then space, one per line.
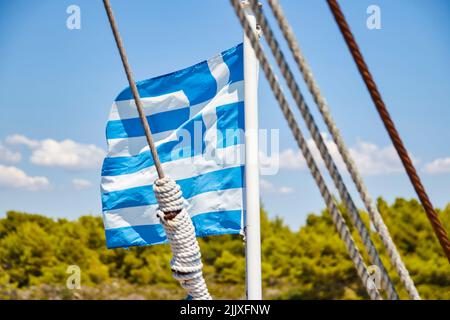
x=196, y=116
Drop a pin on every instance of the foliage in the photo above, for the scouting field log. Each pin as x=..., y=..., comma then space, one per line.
x=311, y=263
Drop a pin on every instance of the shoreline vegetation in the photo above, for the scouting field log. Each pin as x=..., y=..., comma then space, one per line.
x=308, y=263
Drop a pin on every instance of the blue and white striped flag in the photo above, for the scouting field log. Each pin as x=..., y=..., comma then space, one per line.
x=196, y=116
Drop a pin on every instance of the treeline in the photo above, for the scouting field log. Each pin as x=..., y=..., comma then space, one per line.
x=311, y=263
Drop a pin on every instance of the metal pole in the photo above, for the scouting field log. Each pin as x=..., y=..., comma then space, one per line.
x=252, y=219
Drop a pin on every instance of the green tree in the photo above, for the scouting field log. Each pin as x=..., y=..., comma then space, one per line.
x=311, y=263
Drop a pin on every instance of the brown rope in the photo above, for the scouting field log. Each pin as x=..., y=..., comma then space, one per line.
x=390, y=127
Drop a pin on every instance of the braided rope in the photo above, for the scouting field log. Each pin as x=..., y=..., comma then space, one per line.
x=323, y=149
x=390, y=127
x=186, y=262
x=357, y=179
x=337, y=218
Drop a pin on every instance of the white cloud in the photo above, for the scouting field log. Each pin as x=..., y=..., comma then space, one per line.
x=287, y=159
x=290, y=159
x=286, y=190
x=67, y=154
x=12, y=177
x=81, y=184
x=269, y=187
x=20, y=139
x=440, y=165
x=374, y=160
x=368, y=157
x=265, y=185
x=8, y=155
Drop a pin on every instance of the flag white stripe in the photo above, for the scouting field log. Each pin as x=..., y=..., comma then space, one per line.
x=219, y=71
x=126, y=147
x=183, y=168
x=126, y=109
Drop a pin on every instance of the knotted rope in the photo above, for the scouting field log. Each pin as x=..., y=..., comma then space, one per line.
x=324, y=152
x=337, y=218
x=433, y=217
x=353, y=170
x=186, y=262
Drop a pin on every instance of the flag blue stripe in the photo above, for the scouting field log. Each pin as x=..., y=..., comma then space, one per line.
x=114, y=166
x=206, y=224
x=196, y=81
x=229, y=119
x=160, y=122
x=167, y=121
x=229, y=116
x=224, y=179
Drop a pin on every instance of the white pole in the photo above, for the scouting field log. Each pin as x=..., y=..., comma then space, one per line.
x=252, y=219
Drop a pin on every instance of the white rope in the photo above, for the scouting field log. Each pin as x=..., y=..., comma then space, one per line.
x=324, y=110
x=186, y=262
x=338, y=219
x=330, y=164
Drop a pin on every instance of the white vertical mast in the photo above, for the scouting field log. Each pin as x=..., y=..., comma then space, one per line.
x=252, y=219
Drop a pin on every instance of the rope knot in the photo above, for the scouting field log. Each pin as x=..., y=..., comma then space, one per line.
x=169, y=196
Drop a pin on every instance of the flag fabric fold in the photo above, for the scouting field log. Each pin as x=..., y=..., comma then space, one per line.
x=196, y=116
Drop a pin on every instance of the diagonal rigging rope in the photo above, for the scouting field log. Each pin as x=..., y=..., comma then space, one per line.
x=186, y=262
x=338, y=220
x=328, y=160
x=390, y=127
x=353, y=170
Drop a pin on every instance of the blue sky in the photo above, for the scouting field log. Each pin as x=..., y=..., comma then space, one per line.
x=57, y=86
